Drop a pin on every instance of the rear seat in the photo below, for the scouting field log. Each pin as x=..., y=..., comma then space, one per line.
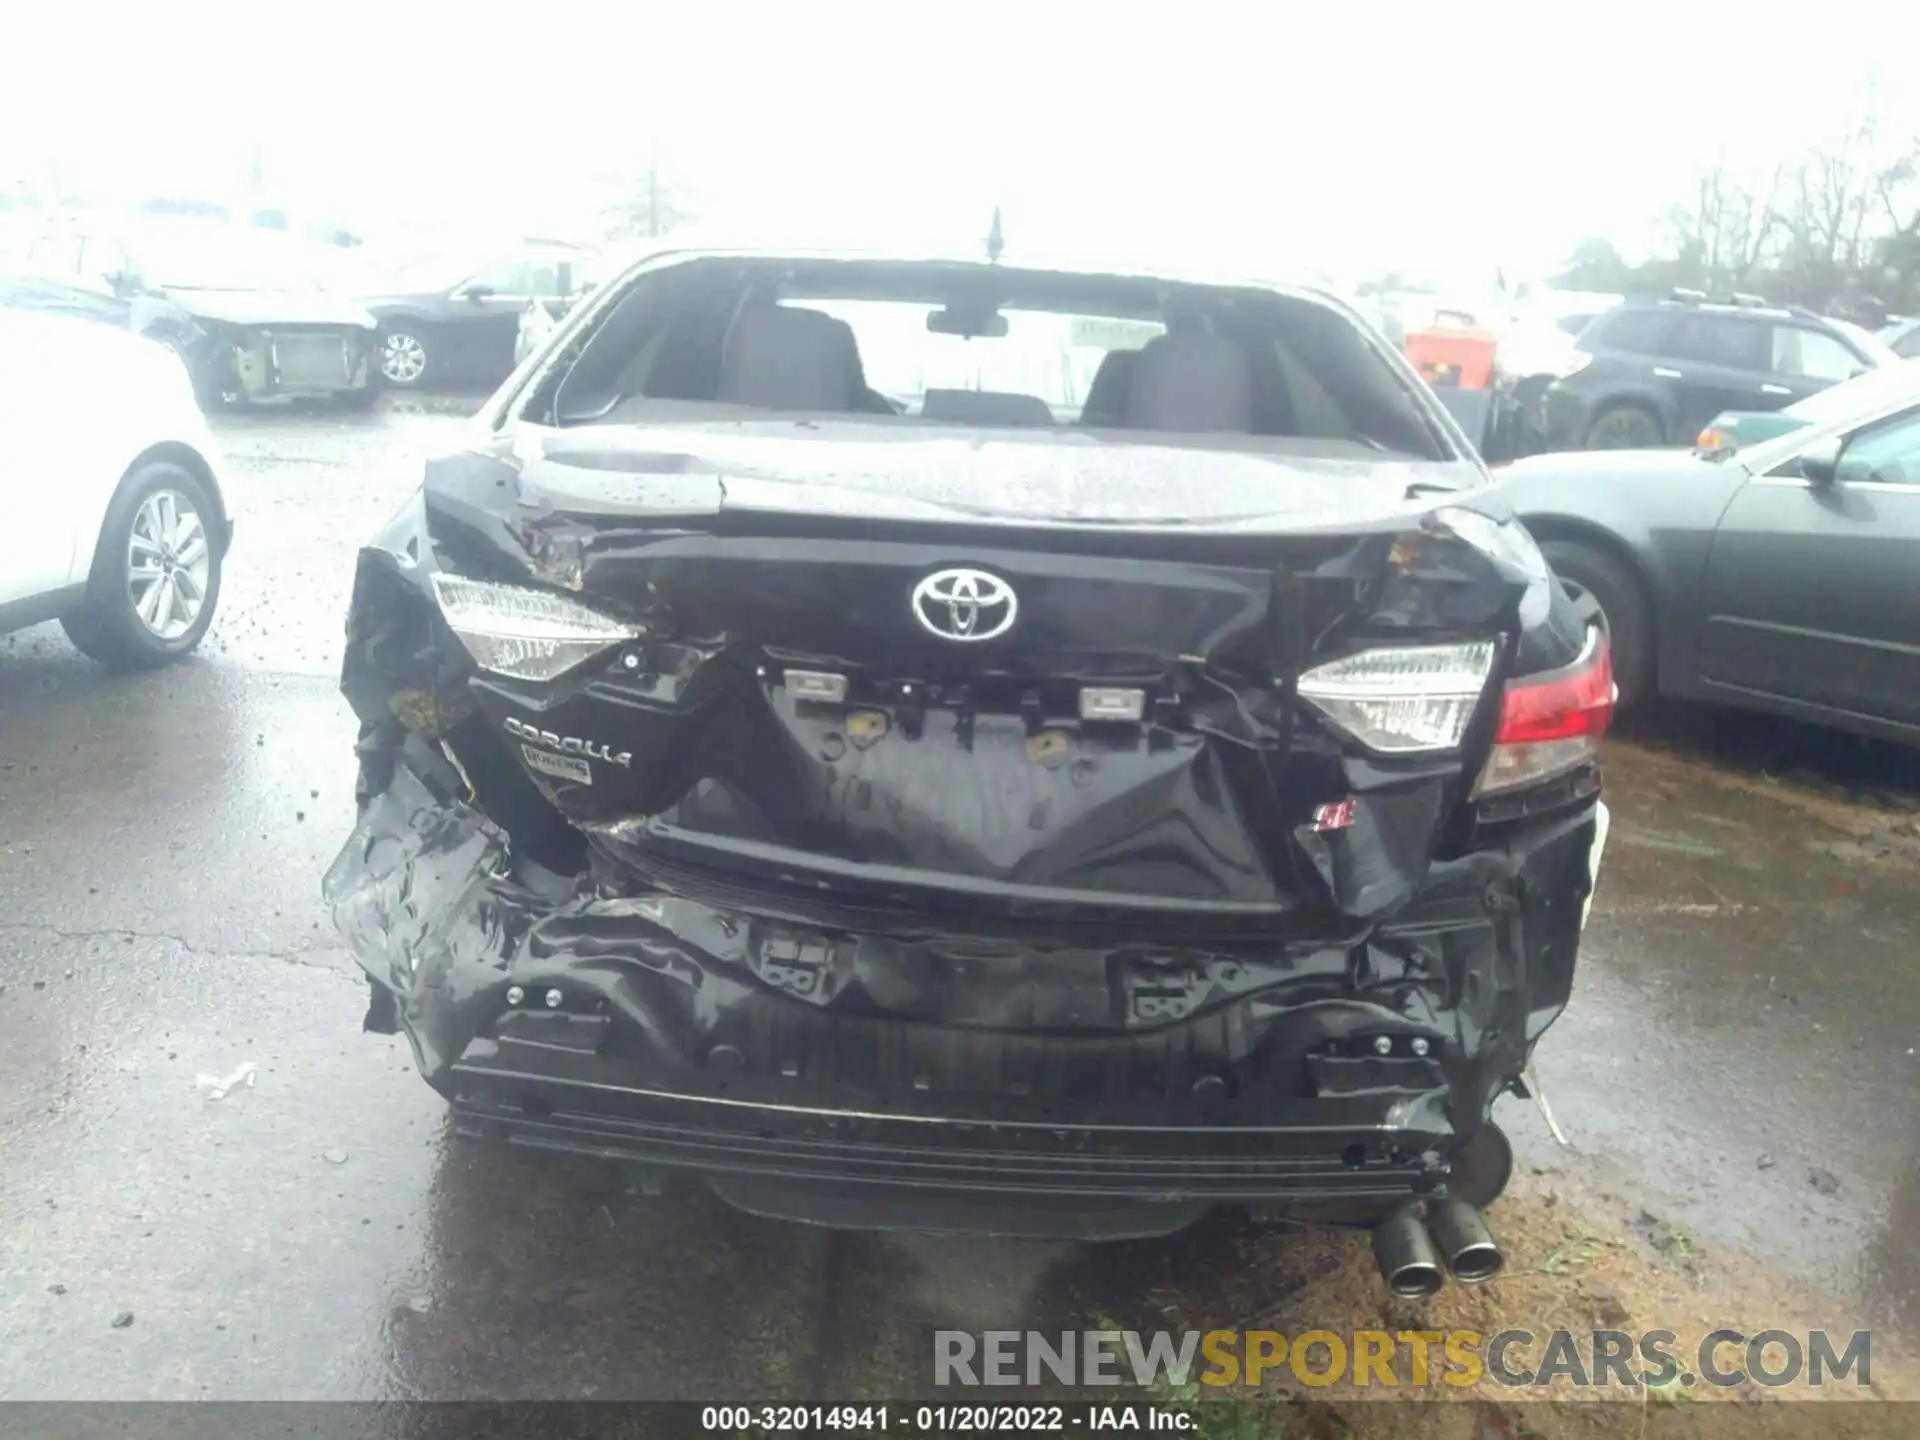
x=782, y=357
x=1193, y=383
x=1106, y=402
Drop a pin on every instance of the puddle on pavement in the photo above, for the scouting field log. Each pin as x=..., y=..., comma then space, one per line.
x=1668, y=843
x=1745, y=1016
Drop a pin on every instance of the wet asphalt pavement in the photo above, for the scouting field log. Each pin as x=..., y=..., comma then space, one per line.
x=1746, y=1016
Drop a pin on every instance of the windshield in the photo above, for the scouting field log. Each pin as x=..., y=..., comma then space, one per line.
x=1860, y=395
x=212, y=256
x=971, y=346
x=1904, y=338
x=1049, y=357
x=1870, y=345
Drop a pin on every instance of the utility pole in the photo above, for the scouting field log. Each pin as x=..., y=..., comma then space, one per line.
x=253, y=172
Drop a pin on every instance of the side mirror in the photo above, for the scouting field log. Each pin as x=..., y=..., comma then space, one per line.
x=476, y=293
x=1820, y=461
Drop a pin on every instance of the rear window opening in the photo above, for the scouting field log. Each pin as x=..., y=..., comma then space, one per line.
x=911, y=344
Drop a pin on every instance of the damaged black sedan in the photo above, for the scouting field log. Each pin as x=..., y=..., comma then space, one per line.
x=947, y=746
x=241, y=310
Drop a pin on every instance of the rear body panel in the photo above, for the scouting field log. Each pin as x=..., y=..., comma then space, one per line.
x=263, y=345
x=944, y=942
x=294, y=361
x=1058, y=1074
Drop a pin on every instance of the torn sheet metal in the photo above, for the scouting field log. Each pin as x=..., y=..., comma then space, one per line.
x=918, y=922
x=531, y=999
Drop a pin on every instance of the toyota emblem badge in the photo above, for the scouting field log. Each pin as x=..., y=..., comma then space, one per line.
x=965, y=605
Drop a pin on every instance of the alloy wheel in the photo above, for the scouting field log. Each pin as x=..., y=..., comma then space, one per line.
x=403, y=359
x=169, y=564
x=1623, y=430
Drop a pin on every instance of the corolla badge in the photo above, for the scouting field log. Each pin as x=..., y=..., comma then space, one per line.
x=965, y=605
x=569, y=744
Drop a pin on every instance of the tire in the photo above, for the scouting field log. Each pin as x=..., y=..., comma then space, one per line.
x=405, y=358
x=1625, y=427
x=1624, y=601
x=148, y=520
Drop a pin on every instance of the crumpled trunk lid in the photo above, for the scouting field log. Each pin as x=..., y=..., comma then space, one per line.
x=956, y=773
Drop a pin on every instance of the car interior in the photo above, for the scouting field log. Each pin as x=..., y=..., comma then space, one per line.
x=1214, y=361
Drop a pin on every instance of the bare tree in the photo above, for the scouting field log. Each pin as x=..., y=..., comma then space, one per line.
x=1836, y=226
x=651, y=207
x=1853, y=188
x=1727, y=228
x=1832, y=196
x=1596, y=264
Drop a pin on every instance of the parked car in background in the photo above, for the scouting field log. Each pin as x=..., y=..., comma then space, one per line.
x=1568, y=311
x=1903, y=337
x=455, y=318
x=1735, y=429
x=1537, y=347
x=255, y=212
x=1397, y=314
x=1538, y=339
x=807, y=746
x=117, y=524
x=242, y=310
x=1654, y=372
x=1776, y=576
x=1740, y=429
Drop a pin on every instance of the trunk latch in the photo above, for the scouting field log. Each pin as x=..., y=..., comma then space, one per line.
x=801, y=967
x=1157, y=992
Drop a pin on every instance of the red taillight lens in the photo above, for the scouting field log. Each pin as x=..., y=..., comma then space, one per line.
x=1551, y=725
x=1577, y=702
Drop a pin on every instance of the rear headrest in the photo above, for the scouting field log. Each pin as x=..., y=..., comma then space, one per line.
x=785, y=358
x=985, y=407
x=1106, y=402
x=1191, y=382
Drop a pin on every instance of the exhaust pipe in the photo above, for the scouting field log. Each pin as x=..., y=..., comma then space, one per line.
x=1406, y=1256
x=1463, y=1240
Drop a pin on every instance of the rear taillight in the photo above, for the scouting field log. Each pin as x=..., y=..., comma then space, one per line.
x=1551, y=725
x=1404, y=700
x=525, y=633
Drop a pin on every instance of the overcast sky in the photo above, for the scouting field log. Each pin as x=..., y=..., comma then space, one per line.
x=1455, y=138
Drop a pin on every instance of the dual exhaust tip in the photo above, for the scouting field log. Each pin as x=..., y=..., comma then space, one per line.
x=1411, y=1251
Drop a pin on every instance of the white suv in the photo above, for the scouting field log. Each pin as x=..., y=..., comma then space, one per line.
x=116, y=523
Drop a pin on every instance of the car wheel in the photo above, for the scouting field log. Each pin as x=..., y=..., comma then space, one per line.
x=156, y=572
x=1589, y=570
x=1624, y=427
x=403, y=357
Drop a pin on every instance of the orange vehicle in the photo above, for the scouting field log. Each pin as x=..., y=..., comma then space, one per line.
x=1457, y=361
x=1455, y=357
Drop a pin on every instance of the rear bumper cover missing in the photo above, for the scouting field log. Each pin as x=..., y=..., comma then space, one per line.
x=867, y=1080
